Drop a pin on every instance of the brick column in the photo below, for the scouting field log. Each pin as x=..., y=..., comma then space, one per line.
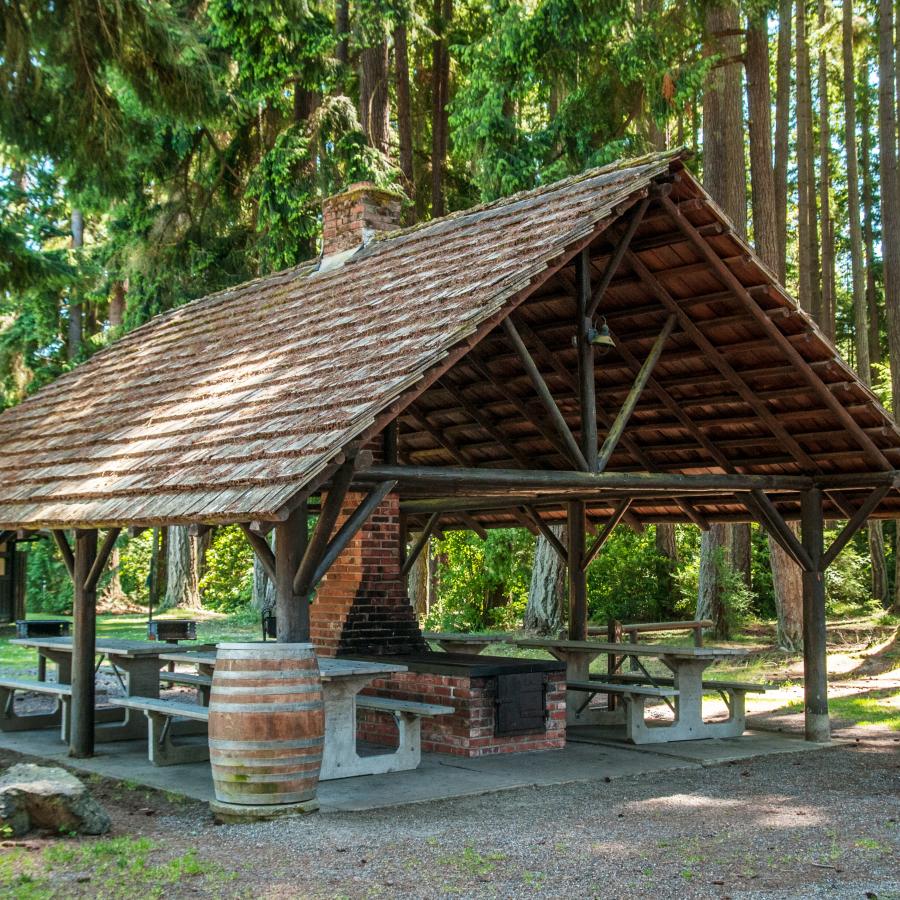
x=361, y=606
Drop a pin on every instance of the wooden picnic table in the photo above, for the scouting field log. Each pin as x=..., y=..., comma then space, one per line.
x=342, y=680
x=459, y=642
x=140, y=661
x=687, y=665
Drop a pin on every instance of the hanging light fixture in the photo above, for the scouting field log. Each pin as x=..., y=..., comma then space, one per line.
x=600, y=337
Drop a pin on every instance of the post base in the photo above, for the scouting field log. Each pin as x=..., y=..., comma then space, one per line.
x=818, y=728
x=242, y=814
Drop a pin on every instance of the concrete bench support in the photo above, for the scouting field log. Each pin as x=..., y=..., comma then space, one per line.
x=58, y=718
x=162, y=716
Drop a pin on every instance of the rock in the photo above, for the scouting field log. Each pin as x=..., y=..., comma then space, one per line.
x=51, y=798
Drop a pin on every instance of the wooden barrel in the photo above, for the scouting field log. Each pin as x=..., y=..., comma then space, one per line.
x=266, y=723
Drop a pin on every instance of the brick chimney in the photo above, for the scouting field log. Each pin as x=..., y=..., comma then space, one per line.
x=361, y=606
x=351, y=218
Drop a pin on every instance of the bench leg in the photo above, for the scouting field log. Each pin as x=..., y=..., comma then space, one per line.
x=160, y=749
x=11, y=721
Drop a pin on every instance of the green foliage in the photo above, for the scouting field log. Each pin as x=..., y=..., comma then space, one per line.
x=482, y=584
x=48, y=585
x=227, y=582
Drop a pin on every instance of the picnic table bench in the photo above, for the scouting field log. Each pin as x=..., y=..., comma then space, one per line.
x=687, y=665
x=615, y=630
x=342, y=681
x=10, y=720
x=460, y=642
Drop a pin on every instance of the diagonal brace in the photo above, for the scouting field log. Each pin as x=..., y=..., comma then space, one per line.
x=419, y=546
x=546, y=397
x=780, y=531
x=262, y=550
x=101, y=559
x=601, y=538
x=547, y=532
x=640, y=382
x=856, y=522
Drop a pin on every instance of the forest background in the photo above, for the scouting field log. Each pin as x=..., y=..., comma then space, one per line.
x=151, y=153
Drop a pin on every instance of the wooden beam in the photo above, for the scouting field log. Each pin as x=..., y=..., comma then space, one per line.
x=390, y=443
x=719, y=361
x=65, y=550
x=529, y=415
x=608, y=528
x=856, y=522
x=612, y=266
x=199, y=529
x=462, y=458
x=472, y=525
x=640, y=382
x=420, y=544
x=587, y=387
x=443, y=477
x=490, y=427
x=783, y=533
x=546, y=397
x=351, y=526
x=261, y=549
x=730, y=280
x=101, y=560
x=321, y=535
x=548, y=534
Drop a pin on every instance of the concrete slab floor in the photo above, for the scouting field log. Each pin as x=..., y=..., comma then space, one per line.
x=587, y=758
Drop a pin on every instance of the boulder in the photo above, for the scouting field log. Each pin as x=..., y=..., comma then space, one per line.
x=49, y=798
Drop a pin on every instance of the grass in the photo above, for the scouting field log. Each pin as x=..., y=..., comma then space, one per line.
x=868, y=709
x=110, y=868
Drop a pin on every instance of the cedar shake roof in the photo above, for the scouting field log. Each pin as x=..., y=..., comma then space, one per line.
x=227, y=408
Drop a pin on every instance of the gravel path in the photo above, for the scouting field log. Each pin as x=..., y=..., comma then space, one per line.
x=824, y=824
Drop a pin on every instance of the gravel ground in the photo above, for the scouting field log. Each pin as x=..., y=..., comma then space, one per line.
x=823, y=824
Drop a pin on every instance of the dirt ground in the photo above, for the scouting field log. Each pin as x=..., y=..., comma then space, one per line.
x=822, y=824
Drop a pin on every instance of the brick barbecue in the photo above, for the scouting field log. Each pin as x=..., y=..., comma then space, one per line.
x=474, y=685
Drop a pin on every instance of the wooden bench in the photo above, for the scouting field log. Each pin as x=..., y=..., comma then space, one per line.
x=161, y=714
x=59, y=718
x=186, y=679
x=615, y=630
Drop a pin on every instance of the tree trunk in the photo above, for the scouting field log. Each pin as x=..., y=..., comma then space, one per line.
x=404, y=109
x=806, y=176
x=787, y=581
x=183, y=570
x=157, y=578
x=545, y=611
x=724, y=174
x=374, y=95
x=890, y=209
x=827, y=316
x=117, y=305
x=417, y=584
x=440, y=77
x=342, y=32
x=865, y=147
x=667, y=551
x=762, y=176
x=782, y=132
x=76, y=310
x=711, y=602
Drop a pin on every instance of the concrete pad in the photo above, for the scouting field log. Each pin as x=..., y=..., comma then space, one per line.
x=587, y=759
x=713, y=752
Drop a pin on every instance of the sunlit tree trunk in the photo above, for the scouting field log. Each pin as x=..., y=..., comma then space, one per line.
x=782, y=131
x=890, y=208
x=667, y=551
x=545, y=610
x=711, y=602
x=374, y=95
x=183, y=570
x=827, y=316
x=440, y=95
x=404, y=108
x=76, y=308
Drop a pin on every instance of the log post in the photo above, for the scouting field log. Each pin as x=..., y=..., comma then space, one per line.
x=81, y=735
x=815, y=658
x=586, y=384
x=291, y=608
x=577, y=576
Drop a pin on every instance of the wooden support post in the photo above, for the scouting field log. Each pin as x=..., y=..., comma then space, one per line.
x=577, y=577
x=587, y=388
x=618, y=426
x=291, y=608
x=815, y=657
x=81, y=730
